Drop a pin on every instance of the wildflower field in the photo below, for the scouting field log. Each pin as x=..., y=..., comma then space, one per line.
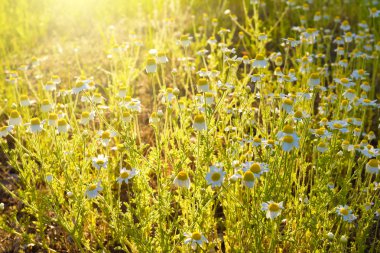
x=189, y=126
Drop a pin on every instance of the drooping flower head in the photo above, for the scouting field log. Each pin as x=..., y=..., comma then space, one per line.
x=182, y=180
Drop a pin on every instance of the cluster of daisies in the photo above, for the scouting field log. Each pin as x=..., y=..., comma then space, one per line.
x=322, y=98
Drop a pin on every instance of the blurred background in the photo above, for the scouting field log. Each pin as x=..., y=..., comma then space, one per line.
x=25, y=24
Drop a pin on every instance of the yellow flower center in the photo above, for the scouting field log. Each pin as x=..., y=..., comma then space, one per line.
x=344, y=211
x=288, y=139
x=124, y=174
x=288, y=129
x=196, y=236
x=79, y=84
x=273, y=207
x=199, y=118
x=184, y=37
x=23, y=97
x=85, y=114
x=298, y=114
x=256, y=139
x=92, y=187
x=53, y=116
x=248, y=176
x=259, y=57
x=314, y=76
x=62, y=122
x=288, y=101
x=366, y=100
x=14, y=114
x=106, y=135
x=182, y=176
x=202, y=81
x=35, y=121
x=151, y=61
x=337, y=126
x=215, y=176
x=373, y=163
x=255, y=168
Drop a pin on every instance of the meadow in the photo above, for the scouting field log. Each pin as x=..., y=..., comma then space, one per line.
x=189, y=126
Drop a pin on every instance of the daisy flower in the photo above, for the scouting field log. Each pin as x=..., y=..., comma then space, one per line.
x=314, y=80
x=46, y=106
x=199, y=122
x=132, y=104
x=256, y=141
x=339, y=125
x=256, y=168
x=86, y=117
x=100, y=162
x=236, y=176
x=350, y=94
x=287, y=105
x=346, y=213
x=346, y=82
x=288, y=138
x=169, y=95
x=25, y=101
x=185, y=41
x=15, y=118
x=35, y=125
x=182, y=180
x=373, y=166
x=105, y=137
x=322, y=147
x=272, y=209
x=50, y=86
x=298, y=116
x=127, y=116
x=260, y=61
x=126, y=175
x=161, y=58
x=203, y=85
x=151, y=66
x=345, y=26
x=195, y=239
x=154, y=119
x=5, y=130
x=93, y=190
x=370, y=151
x=216, y=176
x=56, y=79
x=53, y=119
x=80, y=86
x=63, y=126
x=122, y=93
x=248, y=179
x=288, y=143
